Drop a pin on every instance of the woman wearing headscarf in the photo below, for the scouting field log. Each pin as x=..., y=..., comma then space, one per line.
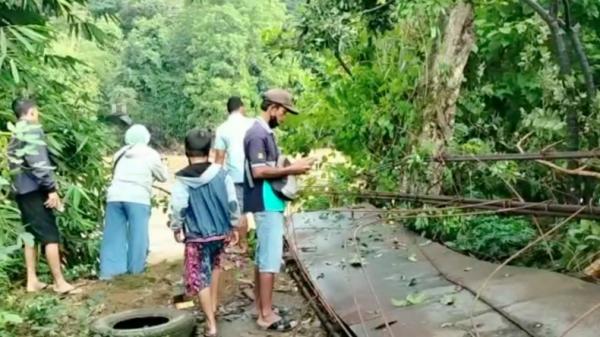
x=125, y=241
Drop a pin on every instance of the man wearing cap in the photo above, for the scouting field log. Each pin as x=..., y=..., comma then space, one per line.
x=262, y=153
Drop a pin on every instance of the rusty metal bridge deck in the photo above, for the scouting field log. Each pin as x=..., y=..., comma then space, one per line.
x=358, y=266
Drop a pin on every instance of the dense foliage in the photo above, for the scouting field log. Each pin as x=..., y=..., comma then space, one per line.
x=369, y=63
x=43, y=56
x=180, y=63
x=361, y=70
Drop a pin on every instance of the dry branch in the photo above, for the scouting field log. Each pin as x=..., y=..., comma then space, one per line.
x=512, y=258
x=580, y=171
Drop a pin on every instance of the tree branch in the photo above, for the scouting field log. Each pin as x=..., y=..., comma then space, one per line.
x=557, y=35
x=583, y=62
x=580, y=171
x=567, y=10
x=366, y=11
x=581, y=318
x=338, y=57
x=554, y=9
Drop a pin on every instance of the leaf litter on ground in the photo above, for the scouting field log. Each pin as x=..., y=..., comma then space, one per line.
x=411, y=299
x=447, y=300
x=357, y=261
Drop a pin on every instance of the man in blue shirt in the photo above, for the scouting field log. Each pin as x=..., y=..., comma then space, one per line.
x=229, y=150
x=261, y=154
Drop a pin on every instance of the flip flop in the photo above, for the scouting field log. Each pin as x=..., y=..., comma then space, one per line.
x=281, y=311
x=73, y=291
x=282, y=325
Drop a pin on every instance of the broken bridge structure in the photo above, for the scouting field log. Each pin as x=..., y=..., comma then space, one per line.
x=374, y=278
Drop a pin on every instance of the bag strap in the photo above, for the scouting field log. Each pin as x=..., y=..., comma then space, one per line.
x=119, y=158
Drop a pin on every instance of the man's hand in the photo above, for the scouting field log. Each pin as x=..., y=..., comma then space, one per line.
x=179, y=237
x=301, y=166
x=53, y=201
x=234, y=237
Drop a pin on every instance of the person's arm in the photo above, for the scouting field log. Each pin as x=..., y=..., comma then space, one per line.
x=219, y=157
x=234, y=210
x=268, y=172
x=160, y=171
x=179, y=204
x=256, y=154
x=220, y=148
x=233, y=204
x=38, y=163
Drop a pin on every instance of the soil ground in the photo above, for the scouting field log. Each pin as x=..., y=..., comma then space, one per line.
x=159, y=285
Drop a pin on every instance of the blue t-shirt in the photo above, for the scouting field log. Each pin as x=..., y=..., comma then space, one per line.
x=260, y=149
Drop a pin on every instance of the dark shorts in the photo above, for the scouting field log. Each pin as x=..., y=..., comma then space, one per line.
x=200, y=261
x=37, y=219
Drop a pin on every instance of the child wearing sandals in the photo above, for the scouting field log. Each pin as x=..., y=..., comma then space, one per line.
x=204, y=213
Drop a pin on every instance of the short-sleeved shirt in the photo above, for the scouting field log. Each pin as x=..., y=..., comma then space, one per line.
x=260, y=149
x=230, y=138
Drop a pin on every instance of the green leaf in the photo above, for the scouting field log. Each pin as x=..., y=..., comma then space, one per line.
x=411, y=299
x=14, y=71
x=9, y=317
x=3, y=46
x=416, y=298
x=399, y=303
x=23, y=40
x=76, y=197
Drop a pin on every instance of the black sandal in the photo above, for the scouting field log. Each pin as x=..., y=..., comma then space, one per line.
x=281, y=311
x=282, y=325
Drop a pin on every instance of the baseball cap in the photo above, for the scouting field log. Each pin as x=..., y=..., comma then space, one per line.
x=281, y=97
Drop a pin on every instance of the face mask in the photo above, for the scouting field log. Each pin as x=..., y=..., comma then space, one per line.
x=273, y=123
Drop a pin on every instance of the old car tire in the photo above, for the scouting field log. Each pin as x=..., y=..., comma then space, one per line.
x=152, y=322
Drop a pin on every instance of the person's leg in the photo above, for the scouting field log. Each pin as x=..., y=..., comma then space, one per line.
x=198, y=270
x=137, y=236
x=207, y=307
x=267, y=281
x=113, y=250
x=214, y=288
x=216, y=253
x=33, y=283
x=259, y=220
x=243, y=221
x=31, y=206
x=257, y=293
x=53, y=257
x=243, y=228
x=270, y=242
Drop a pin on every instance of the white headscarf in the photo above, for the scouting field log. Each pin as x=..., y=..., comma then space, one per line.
x=137, y=134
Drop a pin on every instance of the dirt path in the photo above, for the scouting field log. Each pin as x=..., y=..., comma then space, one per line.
x=162, y=245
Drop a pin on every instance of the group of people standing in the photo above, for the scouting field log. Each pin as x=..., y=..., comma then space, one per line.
x=209, y=201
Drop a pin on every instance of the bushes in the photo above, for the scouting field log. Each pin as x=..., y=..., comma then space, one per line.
x=496, y=238
x=68, y=96
x=488, y=237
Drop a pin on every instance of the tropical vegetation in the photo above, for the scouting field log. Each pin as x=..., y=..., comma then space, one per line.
x=389, y=84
